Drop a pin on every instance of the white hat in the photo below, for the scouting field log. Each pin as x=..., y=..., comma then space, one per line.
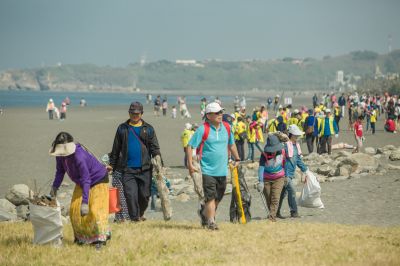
x=296, y=111
x=213, y=108
x=188, y=126
x=233, y=116
x=51, y=100
x=280, y=106
x=328, y=110
x=295, y=130
x=63, y=149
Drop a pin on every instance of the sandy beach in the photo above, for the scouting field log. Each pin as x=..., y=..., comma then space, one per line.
x=26, y=135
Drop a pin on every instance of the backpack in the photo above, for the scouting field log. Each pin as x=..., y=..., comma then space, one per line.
x=199, y=150
x=309, y=129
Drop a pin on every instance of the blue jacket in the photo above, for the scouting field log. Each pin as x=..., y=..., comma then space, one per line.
x=291, y=163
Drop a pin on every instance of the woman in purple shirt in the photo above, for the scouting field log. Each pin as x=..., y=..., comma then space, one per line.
x=89, y=204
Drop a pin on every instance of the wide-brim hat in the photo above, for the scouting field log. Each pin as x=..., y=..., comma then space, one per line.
x=273, y=144
x=63, y=149
x=295, y=130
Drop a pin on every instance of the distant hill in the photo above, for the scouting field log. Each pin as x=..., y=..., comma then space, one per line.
x=287, y=73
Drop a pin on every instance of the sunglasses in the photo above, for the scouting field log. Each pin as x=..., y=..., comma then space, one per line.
x=218, y=113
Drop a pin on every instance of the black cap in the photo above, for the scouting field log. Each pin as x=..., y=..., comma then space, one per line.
x=136, y=108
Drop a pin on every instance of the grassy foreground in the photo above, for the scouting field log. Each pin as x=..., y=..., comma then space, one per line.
x=180, y=243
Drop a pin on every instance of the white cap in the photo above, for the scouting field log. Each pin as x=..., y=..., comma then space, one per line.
x=188, y=126
x=213, y=108
x=296, y=111
x=295, y=130
x=280, y=106
x=233, y=116
x=51, y=100
x=328, y=110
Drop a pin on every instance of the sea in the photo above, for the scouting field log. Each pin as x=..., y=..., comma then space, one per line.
x=40, y=98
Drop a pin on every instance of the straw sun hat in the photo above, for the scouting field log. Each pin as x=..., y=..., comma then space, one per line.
x=63, y=149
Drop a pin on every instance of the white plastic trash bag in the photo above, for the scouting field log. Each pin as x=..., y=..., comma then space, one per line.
x=47, y=224
x=311, y=195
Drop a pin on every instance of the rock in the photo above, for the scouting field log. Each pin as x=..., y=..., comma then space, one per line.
x=365, y=162
x=378, y=156
x=23, y=212
x=7, y=216
x=392, y=167
x=19, y=194
x=62, y=195
x=344, y=170
x=324, y=169
x=183, y=197
x=386, y=149
x=252, y=165
x=65, y=184
x=228, y=189
x=341, y=154
x=395, y=155
x=370, y=150
x=181, y=188
x=348, y=161
x=7, y=206
x=337, y=178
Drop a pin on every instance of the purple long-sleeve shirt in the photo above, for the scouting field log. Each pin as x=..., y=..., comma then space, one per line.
x=83, y=169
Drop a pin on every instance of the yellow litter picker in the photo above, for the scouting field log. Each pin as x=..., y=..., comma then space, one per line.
x=241, y=198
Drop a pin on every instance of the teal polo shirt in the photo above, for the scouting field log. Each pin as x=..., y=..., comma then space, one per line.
x=214, y=160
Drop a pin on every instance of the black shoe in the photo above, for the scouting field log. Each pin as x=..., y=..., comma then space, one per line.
x=295, y=215
x=280, y=216
x=202, y=216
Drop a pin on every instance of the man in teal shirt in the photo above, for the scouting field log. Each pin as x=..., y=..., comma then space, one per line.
x=214, y=160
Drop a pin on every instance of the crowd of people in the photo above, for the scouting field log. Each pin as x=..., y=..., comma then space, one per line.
x=218, y=140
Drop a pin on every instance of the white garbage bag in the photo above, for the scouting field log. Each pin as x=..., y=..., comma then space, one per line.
x=47, y=224
x=311, y=195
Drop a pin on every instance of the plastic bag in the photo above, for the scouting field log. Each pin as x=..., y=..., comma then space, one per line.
x=311, y=195
x=47, y=224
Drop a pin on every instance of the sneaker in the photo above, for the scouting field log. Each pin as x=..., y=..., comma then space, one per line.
x=295, y=215
x=202, y=216
x=212, y=226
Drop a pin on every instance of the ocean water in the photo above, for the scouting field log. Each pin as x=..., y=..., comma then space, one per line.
x=37, y=99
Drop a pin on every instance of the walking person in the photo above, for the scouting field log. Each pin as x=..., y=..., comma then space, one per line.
x=164, y=106
x=358, y=134
x=293, y=159
x=338, y=114
x=135, y=143
x=240, y=136
x=89, y=203
x=373, y=119
x=63, y=111
x=213, y=157
x=50, y=108
x=309, y=126
x=342, y=104
x=327, y=129
x=271, y=174
x=185, y=137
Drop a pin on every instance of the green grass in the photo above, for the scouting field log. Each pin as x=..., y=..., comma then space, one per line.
x=173, y=243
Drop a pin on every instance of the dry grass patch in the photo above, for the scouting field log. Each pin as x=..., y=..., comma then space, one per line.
x=173, y=243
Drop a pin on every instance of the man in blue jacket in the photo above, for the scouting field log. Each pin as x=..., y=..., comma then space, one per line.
x=327, y=128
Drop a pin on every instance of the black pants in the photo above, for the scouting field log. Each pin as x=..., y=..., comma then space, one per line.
x=373, y=127
x=326, y=141
x=137, y=192
x=240, y=148
x=337, y=119
x=310, y=142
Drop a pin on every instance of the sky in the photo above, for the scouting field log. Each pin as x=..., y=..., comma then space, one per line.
x=36, y=33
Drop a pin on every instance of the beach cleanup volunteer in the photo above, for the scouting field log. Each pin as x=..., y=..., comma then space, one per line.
x=135, y=143
x=293, y=159
x=213, y=160
x=89, y=203
x=326, y=129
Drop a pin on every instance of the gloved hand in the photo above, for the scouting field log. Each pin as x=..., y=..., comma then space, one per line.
x=336, y=135
x=53, y=192
x=84, y=209
x=260, y=186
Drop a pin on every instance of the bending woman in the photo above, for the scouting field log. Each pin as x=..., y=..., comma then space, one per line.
x=89, y=204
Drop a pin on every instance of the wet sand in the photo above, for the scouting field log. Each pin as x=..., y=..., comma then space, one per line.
x=26, y=135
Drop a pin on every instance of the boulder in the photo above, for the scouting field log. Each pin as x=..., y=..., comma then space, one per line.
x=324, y=169
x=337, y=178
x=348, y=161
x=7, y=206
x=19, y=194
x=341, y=154
x=365, y=162
x=395, y=155
x=370, y=150
x=7, y=216
x=393, y=167
x=23, y=212
x=344, y=170
x=386, y=149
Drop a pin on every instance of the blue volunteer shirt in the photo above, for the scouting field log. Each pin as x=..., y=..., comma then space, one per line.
x=214, y=160
x=134, y=148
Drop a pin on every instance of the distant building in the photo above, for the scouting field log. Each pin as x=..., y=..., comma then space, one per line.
x=188, y=63
x=340, y=77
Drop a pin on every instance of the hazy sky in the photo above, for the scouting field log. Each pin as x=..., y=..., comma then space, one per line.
x=116, y=33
